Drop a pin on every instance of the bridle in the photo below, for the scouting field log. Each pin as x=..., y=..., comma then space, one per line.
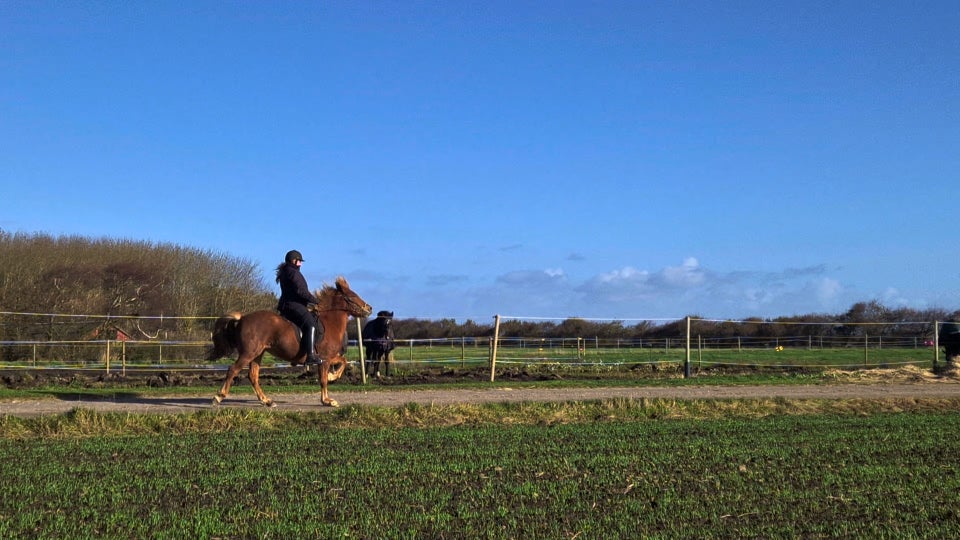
x=353, y=307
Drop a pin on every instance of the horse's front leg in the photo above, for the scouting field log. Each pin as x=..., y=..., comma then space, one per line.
x=324, y=374
x=368, y=364
x=254, y=376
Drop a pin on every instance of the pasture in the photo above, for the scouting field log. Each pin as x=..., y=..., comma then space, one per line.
x=612, y=468
x=608, y=357
x=412, y=357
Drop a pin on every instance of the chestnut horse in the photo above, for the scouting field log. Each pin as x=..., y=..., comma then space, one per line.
x=265, y=331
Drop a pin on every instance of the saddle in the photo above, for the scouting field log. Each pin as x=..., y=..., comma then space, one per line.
x=299, y=333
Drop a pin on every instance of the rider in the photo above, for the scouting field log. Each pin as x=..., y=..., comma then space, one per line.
x=295, y=296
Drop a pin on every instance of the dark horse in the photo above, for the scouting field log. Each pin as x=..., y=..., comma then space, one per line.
x=265, y=331
x=378, y=342
x=949, y=339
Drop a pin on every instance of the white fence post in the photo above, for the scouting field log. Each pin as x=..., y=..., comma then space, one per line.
x=493, y=347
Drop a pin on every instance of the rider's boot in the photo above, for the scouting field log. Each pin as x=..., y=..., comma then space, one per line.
x=309, y=344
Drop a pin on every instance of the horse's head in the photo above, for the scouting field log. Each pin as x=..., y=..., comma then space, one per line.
x=341, y=298
x=356, y=305
x=384, y=320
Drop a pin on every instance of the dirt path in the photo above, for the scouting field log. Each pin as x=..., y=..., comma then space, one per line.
x=926, y=389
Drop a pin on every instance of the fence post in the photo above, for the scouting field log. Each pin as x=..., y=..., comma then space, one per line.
x=936, y=344
x=363, y=366
x=866, y=347
x=108, y=356
x=493, y=346
x=699, y=352
x=686, y=358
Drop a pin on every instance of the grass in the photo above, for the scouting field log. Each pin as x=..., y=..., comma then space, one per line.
x=598, y=469
x=607, y=469
x=414, y=358
x=81, y=423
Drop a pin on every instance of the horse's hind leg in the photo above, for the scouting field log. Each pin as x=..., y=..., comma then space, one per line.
x=254, y=376
x=232, y=372
x=341, y=367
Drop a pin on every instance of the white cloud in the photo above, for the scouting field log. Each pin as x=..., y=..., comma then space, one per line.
x=626, y=274
x=828, y=290
x=757, y=297
x=533, y=278
x=894, y=298
x=689, y=288
x=629, y=292
x=688, y=274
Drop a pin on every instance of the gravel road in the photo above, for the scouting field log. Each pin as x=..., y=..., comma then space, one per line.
x=927, y=389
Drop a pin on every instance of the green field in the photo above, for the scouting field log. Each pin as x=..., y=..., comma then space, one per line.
x=413, y=356
x=612, y=360
x=589, y=470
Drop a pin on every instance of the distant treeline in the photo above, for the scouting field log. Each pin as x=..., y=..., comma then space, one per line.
x=40, y=273
x=862, y=318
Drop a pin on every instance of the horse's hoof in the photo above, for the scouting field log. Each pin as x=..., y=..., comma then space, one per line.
x=331, y=403
x=269, y=403
x=216, y=400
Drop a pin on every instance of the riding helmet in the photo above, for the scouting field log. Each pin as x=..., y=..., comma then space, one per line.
x=293, y=255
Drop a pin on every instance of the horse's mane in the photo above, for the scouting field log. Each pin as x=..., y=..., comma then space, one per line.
x=327, y=295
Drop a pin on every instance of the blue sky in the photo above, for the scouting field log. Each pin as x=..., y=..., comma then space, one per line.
x=621, y=160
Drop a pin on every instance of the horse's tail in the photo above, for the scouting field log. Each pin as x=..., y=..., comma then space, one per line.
x=225, y=336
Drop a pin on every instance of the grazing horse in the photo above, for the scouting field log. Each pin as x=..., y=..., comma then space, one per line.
x=378, y=342
x=265, y=331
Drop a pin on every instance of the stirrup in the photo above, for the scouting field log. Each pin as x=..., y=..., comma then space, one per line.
x=315, y=361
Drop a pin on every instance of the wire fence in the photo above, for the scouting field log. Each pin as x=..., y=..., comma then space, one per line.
x=696, y=346
x=110, y=343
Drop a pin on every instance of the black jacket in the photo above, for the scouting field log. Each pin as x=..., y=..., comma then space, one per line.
x=293, y=287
